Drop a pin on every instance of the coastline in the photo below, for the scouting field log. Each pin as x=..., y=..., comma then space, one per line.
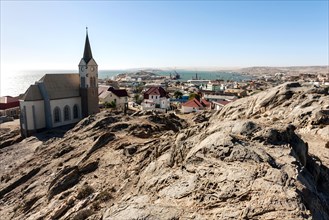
x=17, y=83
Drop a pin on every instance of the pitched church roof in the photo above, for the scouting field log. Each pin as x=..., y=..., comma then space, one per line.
x=87, y=55
x=57, y=86
x=61, y=86
x=32, y=94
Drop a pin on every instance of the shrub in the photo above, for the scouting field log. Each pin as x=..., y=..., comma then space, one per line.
x=110, y=104
x=104, y=196
x=85, y=191
x=194, y=95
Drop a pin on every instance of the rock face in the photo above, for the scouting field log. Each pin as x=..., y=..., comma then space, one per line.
x=261, y=157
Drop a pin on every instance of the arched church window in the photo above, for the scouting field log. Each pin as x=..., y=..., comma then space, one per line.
x=75, y=112
x=66, y=113
x=57, y=114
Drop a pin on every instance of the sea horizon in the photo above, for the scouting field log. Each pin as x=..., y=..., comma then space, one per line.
x=18, y=82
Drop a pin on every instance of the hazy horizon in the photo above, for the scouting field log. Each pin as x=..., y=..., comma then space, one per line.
x=201, y=68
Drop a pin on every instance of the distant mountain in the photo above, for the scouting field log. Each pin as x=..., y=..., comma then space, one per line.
x=258, y=70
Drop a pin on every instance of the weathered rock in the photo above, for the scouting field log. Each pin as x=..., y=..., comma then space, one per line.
x=99, y=143
x=19, y=181
x=90, y=167
x=119, y=127
x=66, y=179
x=260, y=157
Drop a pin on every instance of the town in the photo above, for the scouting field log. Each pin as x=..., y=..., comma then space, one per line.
x=144, y=90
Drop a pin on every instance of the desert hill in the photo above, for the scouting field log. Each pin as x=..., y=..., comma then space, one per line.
x=260, y=157
x=289, y=70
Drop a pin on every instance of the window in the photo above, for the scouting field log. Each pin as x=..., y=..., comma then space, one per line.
x=57, y=115
x=115, y=100
x=67, y=113
x=75, y=112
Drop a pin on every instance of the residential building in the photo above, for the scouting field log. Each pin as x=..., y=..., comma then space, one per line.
x=213, y=86
x=117, y=96
x=195, y=105
x=9, y=106
x=156, y=97
x=220, y=104
x=216, y=98
x=197, y=82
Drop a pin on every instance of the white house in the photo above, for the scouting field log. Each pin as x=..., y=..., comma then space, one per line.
x=156, y=97
x=118, y=96
x=220, y=104
x=61, y=99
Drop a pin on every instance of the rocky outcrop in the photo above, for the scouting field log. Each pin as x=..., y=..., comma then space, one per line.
x=261, y=157
x=9, y=137
x=24, y=178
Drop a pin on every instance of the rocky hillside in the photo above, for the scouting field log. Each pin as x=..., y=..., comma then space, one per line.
x=261, y=157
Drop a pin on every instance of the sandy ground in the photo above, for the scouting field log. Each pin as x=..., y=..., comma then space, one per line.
x=12, y=125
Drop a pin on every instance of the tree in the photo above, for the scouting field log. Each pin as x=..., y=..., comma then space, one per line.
x=194, y=95
x=137, y=99
x=110, y=104
x=178, y=94
x=138, y=89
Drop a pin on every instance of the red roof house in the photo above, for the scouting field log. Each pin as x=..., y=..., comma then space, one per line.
x=155, y=91
x=194, y=105
x=9, y=106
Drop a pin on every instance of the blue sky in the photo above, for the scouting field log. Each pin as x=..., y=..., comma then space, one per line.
x=132, y=34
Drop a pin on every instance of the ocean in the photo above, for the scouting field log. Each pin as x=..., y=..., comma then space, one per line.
x=13, y=84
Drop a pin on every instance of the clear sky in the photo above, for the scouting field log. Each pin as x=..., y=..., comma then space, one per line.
x=132, y=34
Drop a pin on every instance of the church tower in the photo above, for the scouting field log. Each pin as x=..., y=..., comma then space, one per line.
x=88, y=71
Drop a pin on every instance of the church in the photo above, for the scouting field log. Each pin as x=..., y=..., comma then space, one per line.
x=61, y=99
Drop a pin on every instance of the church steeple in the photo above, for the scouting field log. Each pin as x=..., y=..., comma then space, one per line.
x=88, y=71
x=87, y=55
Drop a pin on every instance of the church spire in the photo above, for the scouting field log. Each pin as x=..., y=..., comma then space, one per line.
x=87, y=53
